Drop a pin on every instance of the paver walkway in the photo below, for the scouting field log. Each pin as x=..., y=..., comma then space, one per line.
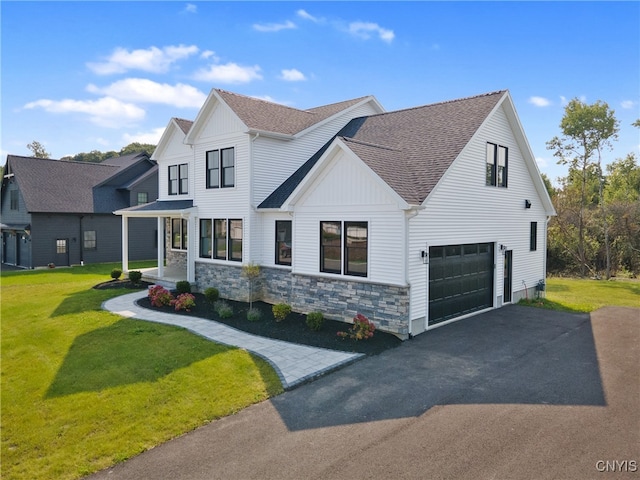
x=294, y=363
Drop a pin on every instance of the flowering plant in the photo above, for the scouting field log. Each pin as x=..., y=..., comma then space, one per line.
x=362, y=329
x=160, y=296
x=184, y=301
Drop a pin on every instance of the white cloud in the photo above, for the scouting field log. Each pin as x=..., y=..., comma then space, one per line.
x=152, y=137
x=142, y=90
x=627, y=104
x=229, y=73
x=539, y=101
x=274, y=27
x=105, y=112
x=366, y=29
x=209, y=54
x=542, y=162
x=190, y=8
x=153, y=59
x=307, y=16
x=292, y=75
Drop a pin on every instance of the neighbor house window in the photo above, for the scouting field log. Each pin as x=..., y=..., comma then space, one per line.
x=533, y=236
x=497, y=165
x=283, y=242
x=61, y=246
x=220, y=166
x=14, y=199
x=344, y=248
x=178, y=179
x=179, y=233
x=143, y=197
x=90, y=240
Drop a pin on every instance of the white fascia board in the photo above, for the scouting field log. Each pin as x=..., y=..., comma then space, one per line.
x=184, y=213
x=165, y=139
x=339, y=145
x=264, y=133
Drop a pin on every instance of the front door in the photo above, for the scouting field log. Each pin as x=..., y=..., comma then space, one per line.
x=508, y=262
x=62, y=251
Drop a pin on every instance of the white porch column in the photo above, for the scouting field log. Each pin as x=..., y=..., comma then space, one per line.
x=125, y=243
x=191, y=245
x=161, y=236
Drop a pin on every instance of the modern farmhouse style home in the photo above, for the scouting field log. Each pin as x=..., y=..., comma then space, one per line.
x=414, y=218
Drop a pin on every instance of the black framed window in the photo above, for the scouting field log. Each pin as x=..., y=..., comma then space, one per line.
x=330, y=247
x=90, y=240
x=143, y=197
x=497, y=162
x=355, y=248
x=533, y=236
x=178, y=179
x=179, y=233
x=220, y=239
x=348, y=241
x=235, y=240
x=220, y=165
x=206, y=238
x=283, y=242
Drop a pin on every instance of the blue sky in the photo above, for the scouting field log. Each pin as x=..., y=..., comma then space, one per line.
x=82, y=76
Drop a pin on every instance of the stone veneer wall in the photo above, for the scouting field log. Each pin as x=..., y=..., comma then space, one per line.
x=174, y=258
x=386, y=305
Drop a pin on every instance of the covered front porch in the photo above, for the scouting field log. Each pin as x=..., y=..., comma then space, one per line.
x=167, y=271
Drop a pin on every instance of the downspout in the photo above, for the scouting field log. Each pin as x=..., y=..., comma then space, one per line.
x=81, y=240
x=408, y=216
x=252, y=210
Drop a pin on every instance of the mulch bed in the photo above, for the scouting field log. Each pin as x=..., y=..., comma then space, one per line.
x=292, y=329
x=113, y=284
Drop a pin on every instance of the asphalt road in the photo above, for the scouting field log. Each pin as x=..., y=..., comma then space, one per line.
x=516, y=393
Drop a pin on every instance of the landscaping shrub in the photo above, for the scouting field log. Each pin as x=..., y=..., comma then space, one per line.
x=280, y=311
x=135, y=276
x=223, y=309
x=211, y=294
x=253, y=314
x=362, y=329
x=184, y=301
x=160, y=296
x=116, y=273
x=183, y=287
x=315, y=320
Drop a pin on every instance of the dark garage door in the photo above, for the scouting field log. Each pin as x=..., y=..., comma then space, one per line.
x=460, y=280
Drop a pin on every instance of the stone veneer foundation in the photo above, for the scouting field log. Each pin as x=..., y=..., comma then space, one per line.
x=339, y=299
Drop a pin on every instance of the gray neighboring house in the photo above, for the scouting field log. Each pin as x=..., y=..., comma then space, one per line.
x=60, y=212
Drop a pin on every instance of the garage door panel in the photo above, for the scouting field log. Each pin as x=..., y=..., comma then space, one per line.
x=460, y=280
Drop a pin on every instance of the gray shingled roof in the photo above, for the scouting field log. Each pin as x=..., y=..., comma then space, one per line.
x=272, y=117
x=61, y=186
x=409, y=149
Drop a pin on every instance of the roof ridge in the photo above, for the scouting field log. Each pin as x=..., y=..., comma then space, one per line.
x=337, y=103
x=444, y=102
x=64, y=161
x=369, y=144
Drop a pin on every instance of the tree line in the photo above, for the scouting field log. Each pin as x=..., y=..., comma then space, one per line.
x=96, y=156
x=597, y=228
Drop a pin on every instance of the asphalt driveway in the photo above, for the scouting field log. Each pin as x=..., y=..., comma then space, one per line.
x=514, y=393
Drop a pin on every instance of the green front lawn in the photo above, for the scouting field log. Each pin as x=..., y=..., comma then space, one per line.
x=585, y=295
x=82, y=389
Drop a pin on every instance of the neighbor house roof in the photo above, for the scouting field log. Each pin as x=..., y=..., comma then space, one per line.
x=60, y=186
x=409, y=149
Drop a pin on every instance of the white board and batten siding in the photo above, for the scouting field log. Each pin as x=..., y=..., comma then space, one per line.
x=462, y=209
x=175, y=152
x=275, y=160
x=345, y=191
